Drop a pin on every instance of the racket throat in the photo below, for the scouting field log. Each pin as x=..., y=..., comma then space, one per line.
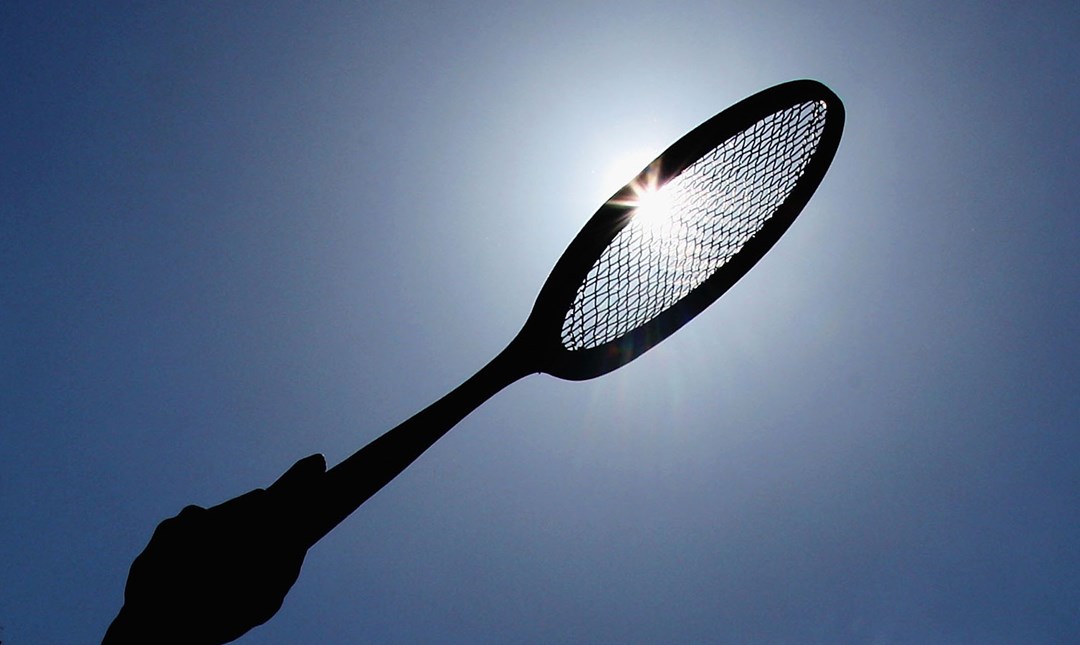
x=355, y=480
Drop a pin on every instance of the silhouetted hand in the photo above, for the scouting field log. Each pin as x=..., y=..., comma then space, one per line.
x=209, y=575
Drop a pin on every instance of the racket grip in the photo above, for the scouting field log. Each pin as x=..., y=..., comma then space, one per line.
x=353, y=481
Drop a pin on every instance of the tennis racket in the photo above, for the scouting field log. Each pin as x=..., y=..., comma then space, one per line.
x=655, y=255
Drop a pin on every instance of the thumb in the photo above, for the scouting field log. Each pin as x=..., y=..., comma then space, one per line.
x=301, y=475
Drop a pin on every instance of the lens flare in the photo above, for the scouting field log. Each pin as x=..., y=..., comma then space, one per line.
x=650, y=206
x=653, y=210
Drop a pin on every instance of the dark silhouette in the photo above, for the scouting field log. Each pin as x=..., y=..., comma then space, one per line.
x=209, y=575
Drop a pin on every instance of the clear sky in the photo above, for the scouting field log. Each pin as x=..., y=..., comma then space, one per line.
x=232, y=235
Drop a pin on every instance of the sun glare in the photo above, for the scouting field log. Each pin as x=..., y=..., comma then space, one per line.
x=653, y=211
x=624, y=168
x=651, y=205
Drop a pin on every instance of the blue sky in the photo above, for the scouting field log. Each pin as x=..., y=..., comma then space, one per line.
x=235, y=235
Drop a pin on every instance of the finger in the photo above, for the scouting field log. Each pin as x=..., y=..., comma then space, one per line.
x=236, y=504
x=303, y=474
x=176, y=523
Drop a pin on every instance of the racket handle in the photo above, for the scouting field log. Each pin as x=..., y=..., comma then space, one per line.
x=350, y=483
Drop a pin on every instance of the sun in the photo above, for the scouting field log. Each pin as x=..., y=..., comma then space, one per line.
x=625, y=167
x=649, y=205
x=652, y=212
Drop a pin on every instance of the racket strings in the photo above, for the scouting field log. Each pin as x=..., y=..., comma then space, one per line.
x=681, y=235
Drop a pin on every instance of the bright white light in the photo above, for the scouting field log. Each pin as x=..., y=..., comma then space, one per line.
x=653, y=212
x=624, y=168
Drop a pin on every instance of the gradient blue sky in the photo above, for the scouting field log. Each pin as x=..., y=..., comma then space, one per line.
x=232, y=235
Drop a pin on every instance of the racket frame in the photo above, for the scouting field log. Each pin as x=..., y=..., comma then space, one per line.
x=544, y=324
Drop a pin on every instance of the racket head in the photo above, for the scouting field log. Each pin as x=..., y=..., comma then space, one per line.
x=578, y=293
